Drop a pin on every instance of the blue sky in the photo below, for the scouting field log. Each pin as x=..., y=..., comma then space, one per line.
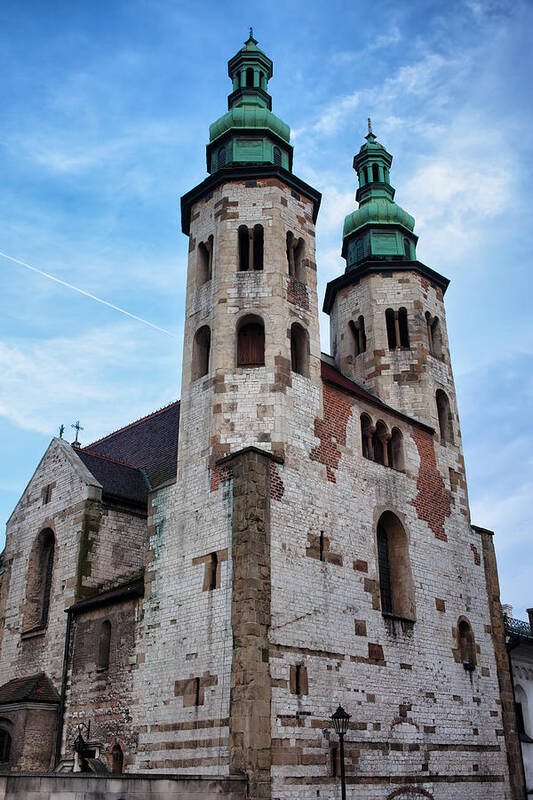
x=103, y=122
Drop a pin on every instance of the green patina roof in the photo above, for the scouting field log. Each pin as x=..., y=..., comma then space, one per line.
x=378, y=210
x=249, y=115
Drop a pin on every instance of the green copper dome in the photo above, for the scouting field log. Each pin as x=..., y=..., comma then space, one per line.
x=379, y=229
x=249, y=133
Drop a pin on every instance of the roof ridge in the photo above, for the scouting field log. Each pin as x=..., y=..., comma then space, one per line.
x=110, y=458
x=132, y=424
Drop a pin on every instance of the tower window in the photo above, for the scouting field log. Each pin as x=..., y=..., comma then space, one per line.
x=211, y=572
x=434, y=335
x=445, y=417
x=299, y=349
x=104, y=645
x=251, y=342
x=295, y=256
x=359, y=249
x=359, y=336
x=391, y=328
x=117, y=760
x=277, y=157
x=397, y=328
x=204, y=262
x=250, y=248
x=222, y=157
x=395, y=579
x=200, y=352
x=249, y=77
x=379, y=443
x=407, y=248
x=467, y=645
x=258, y=247
x=5, y=742
x=403, y=327
x=375, y=172
x=244, y=248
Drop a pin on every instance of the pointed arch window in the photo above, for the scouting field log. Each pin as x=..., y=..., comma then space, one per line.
x=39, y=582
x=299, y=350
x=366, y=436
x=104, y=644
x=251, y=342
x=200, y=352
x=395, y=578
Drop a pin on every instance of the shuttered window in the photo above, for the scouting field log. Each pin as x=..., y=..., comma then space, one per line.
x=251, y=345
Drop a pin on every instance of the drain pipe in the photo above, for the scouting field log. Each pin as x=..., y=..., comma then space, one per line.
x=63, y=696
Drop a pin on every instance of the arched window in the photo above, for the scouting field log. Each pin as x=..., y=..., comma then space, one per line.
x=277, y=157
x=249, y=77
x=204, y=262
x=375, y=172
x=391, y=328
x=407, y=248
x=244, y=248
x=295, y=256
x=40, y=575
x=5, y=740
x=358, y=331
x=200, y=352
x=434, y=335
x=366, y=436
x=395, y=450
x=222, y=157
x=445, y=417
x=117, y=760
x=403, y=327
x=104, y=644
x=258, y=247
x=466, y=644
x=299, y=349
x=395, y=579
x=379, y=443
x=251, y=342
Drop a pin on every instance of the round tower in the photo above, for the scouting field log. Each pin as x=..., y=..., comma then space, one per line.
x=388, y=328
x=251, y=329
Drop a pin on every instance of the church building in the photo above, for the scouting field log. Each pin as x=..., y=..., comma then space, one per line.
x=189, y=599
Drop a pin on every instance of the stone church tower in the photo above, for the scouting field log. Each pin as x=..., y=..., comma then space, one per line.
x=292, y=536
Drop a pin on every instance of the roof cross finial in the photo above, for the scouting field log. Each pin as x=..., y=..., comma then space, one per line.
x=61, y=430
x=251, y=32
x=77, y=427
x=369, y=125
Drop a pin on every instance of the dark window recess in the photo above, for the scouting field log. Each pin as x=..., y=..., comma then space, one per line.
x=391, y=328
x=251, y=345
x=222, y=157
x=104, y=645
x=117, y=760
x=249, y=77
x=359, y=335
x=5, y=745
x=49, y=568
x=404, y=327
x=299, y=349
x=258, y=247
x=197, y=691
x=520, y=719
x=375, y=172
x=244, y=248
x=467, y=646
x=250, y=184
x=295, y=195
x=321, y=546
x=277, y=157
x=212, y=571
x=384, y=571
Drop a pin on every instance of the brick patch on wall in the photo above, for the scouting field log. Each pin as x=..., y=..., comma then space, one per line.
x=432, y=502
x=331, y=430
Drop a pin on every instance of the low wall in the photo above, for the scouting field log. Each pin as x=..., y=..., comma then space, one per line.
x=80, y=786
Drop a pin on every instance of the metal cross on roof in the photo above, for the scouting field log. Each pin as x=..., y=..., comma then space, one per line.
x=77, y=427
x=61, y=430
x=369, y=125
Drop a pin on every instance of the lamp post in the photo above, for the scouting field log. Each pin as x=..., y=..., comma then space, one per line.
x=340, y=721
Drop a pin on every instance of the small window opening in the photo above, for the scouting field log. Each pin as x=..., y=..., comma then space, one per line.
x=395, y=578
x=258, y=247
x=104, y=645
x=197, y=697
x=251, y=343
x=117, y=760
x=391, y=328
x=299, y=350
x=204, y=263
x=467, y=646
x=359, y=336
x=445, y=417
x=434, y=335
x=244, y=248
x=407, y=248
x=384, y=571
x=48, y=561
x=379, y=443
x=5, y=745
x=277, y=157
x=321, y=547
x=47, y=494
x=396, y=450
x=359, y=249
x=222, y=157
x=249, y=77
x=403, y=327
x=212, y=566
x=200, y=354
x=375, y=172
x=366, y=436
x=298, y=679
x=295, y=256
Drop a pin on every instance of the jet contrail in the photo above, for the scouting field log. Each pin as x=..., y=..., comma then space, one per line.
x=87, y=294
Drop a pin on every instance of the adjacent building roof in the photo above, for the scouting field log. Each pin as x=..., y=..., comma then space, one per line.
x=33, y=689
x=119, y=480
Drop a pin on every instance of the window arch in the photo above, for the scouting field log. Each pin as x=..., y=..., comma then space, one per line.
x=249, y=77
x=358, y=330
x=395, y=578
x=375, y=172
x=295, y=256
x=299, y=349
x=379, y=443
x=277, y=157
x=117, y=760
x=244, y=248
x=395, y=449
x=5, y=740
x=251, y=342
x=104, y=644
x=366, y=436
x=397, y=328
x=251, y=242
x=391, y=328
x=466, y=644
x=40, y=576
x=200, y=352
x=434, y=335
x=222, y=157
x=445, y=417
x=258, y=247
x=522, y=712
x=204, y=262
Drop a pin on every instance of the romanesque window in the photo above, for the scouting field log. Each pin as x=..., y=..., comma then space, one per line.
x=251, y=342
x=277, y=157
x=117, y=760
x=358, y=330
x=295, y=257
x=379, y=443
x=466, y=643
x=104, y=644
x=445, y=417
x=397, y=328
x=299, y=349
x=200, y=352
x=5, y=741
x=375, y=172
x=434, y=335
x=250, y=248
x=395, y=579
x=222, y=157
x=366, y=436
x=395, y=449
x=204, y=265
x=39, y=586
x=298, y=679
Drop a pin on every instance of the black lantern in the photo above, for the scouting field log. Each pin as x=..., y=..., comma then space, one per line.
x=340, y=720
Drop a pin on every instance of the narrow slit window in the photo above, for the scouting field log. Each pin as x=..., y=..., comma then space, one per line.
x=445, y=417
x=384, y=571
x=201, y=352
x=403, y=327
x=391, y=328
x=277, y=157
x=117, y=760
x=258, y=247
x=244, y=248
x=467, y=645
x=5, y=745
x=375, y=172
x=299, y=350
x=197, y=697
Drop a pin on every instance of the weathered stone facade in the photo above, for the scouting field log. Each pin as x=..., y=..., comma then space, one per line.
x=219, y=611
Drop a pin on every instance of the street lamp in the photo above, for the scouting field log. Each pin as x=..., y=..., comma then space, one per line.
x=340, y=720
